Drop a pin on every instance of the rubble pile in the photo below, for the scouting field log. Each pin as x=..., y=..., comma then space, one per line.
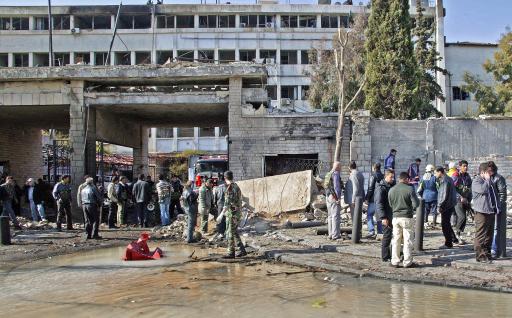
x=176, y=229
x=318, y=210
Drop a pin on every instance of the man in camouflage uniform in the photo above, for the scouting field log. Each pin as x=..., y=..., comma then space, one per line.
x=232, y=210
x=205, y=204
x=62, y=194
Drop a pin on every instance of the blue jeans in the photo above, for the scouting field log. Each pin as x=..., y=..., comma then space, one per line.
x=371, y=221
x=37, y=211
x=8, y=211
x=164, y=211
x=431, y=207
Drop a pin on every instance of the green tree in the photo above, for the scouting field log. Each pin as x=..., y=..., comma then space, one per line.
x=391, y=69
x=496, y=99
x=427, y=89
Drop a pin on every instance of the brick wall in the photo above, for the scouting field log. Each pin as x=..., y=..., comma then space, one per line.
x=22, y=148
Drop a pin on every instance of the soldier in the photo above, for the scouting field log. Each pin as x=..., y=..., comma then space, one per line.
x=62, y=194
x=91, y=199
x=205, y=204
x=232, y=207
x=218, y=201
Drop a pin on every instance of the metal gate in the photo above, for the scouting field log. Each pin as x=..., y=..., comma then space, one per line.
x=275, y=165
x=57, y=159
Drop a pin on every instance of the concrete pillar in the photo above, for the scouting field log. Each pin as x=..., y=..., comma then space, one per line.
x=237, y=54
x=10, y=59
x=196, y=55
x=112, y=21
x=72, y=58
x=216, y=55
x=237, y=20
x=196, y=21
x=31, y=23
x=132, y=58
x=31, y=59
x=299, y=92
x=318, y=21
x=217, y=139
x=278, y=21
x=299, y=57
x=112, y=58
x=71, y=21
x=152, y=141
x=140, y=154
x=441, y=63
x=175, y=139
x=234, y=120
x=196, y=138
x=361, y=143
x=90, y=147
x=91, y=57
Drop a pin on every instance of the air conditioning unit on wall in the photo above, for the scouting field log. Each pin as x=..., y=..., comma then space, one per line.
x=75, y=31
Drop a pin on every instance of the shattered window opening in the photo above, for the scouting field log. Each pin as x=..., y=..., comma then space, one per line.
x=226, y=21
x=329, y=21
x=226, y=56
x=272, y=92
x=100, y=58
x=4, y=59
x=460, y=94
x=61, y=22
x=304, y=57
x=20, y=60
x=289, y=21
x=288, y=57
x=289, y=92
x=41, y=59
x=185, y=21
x=41, y=23
x=102, y=22
x=82, y=58
x=307, y=21
x=165, y=132
x=247, y=55
x=248, y=21
x=60, y=59
x=268, y=55
x=165, y=22
x=163, y=56
x=266, y=21
x=206, y=131
x=142, y=58
x=206, y=56
x=122, y=58
x=185, y=55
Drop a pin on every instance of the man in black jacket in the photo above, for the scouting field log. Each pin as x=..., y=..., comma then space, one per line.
x=384, y=212
x=500, y=226
x=375, y=178
x=446, y=201
x=141, y=195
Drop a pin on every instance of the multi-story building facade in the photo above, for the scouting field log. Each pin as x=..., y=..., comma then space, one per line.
x=281, y=36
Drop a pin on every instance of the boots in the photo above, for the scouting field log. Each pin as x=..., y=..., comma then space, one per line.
x=242, y=252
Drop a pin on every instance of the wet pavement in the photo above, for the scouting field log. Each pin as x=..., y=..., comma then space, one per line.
x=99, y=284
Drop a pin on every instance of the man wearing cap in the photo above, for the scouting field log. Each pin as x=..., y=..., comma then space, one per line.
x=232, y=210
x=62, y=195
x=428, y=191
x=91, y=198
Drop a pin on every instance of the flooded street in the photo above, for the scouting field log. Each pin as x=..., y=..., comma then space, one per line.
x=100, y=284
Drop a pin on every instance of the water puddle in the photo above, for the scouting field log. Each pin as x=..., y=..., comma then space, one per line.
x=100, y=284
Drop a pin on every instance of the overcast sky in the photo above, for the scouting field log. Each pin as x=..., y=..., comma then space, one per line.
x=466, y=20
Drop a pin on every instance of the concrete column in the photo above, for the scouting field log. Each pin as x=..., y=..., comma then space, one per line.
x=278, y=91
x=278, y=21
x=91, y=57
x=257, y=53
x=237, y=54
x=361, y=143
x=196, y=138
x=112, y=21
x=175, y=139
x=299, y=92
x=318, y=21
x=30, y=59
x=31, y=23
x=216, y=55
x=217, y=139
x=152, y=141
x=72, y=58
x=71, y=21
x=10, y=60
x=299, y=57
x=236, y=164
x=441, y=63
x=237, y=20
x=140, y=154
x=196, y=21
x=90, y=147
x=132, y=58
x=112, y=58
x=196, y=55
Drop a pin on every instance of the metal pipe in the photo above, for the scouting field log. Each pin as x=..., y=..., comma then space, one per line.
x=50, y=33
x=420, y=226
x=357, y=220
x=501, y=237
x=107, y=61
x=299, y=225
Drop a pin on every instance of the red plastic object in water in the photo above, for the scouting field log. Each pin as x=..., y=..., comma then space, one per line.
x=139, y=250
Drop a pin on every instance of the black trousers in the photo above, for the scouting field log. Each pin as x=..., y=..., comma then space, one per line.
x=484, y=231
x=387, y=234
x=460, y=211
x=91, y=220
x=64, y=209
x=175, y=205
x=449, y=235
x=142, y=213
x=112, y=214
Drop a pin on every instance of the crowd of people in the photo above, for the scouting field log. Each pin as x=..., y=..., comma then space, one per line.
x=393, y=197
x=223, y=202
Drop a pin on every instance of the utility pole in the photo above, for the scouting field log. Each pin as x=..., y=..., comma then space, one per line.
x=50, y=31
x=107, y=61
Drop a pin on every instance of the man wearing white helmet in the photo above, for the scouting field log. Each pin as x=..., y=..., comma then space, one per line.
x=427, y=189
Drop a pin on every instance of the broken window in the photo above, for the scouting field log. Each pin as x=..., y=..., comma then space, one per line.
x=164, y=56
x=226, y=21
x=5, y=23
x=247, y=55
x=83, y=22
x=459, y=94
x=206, y=56
x=344, y=21
x=40, y=59
x=165, y=22
x=248, y=21
x=289, y=92
x=304, y=57
x=208, y=21
x=207, y=132
x=186, y=132
x=329, y=21
x=60, y=59
x=185, y=55
x=61, y=22
x=19, y=23
x=82, y=58
x=142, y=21
x=304, y=92
x=268, y=55
x=142, y=58
x=307, y=21
x=164, y=132
x=288, y=57
x=185, y=21
x=223, y=131
x=20, y=59
x=289, y=21
x=226, y=56
x=102, y=22
x=122, y=58
x=100, y=58
x=41, y=23
x=4, y=59
x=266, y=21
x=272, y=92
